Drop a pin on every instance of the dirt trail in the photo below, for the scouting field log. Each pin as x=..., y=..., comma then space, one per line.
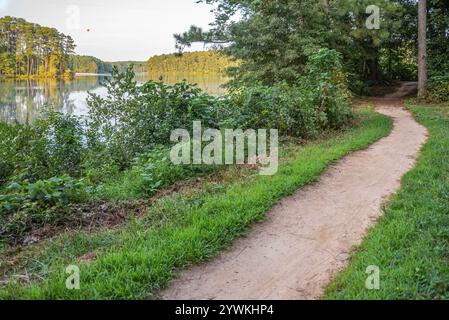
x=307, y=237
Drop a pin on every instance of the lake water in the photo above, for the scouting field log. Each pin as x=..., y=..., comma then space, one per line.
x=24, y=100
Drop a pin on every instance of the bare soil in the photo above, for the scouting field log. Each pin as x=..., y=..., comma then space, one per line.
x=308, y=237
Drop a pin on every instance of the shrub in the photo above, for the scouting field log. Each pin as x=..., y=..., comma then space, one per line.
x=326, y=82
x=122, y=150
x=150, y=171
x=49, y=147
x=439, y=88
x=26, y=205
x=318, y=101
x=132, y=117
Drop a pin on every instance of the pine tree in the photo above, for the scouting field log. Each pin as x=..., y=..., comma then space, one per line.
x=422, y=51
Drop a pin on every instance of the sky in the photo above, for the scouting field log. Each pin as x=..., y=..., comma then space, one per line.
x=115, y=30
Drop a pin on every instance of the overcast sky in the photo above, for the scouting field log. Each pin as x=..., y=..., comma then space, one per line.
x=115, y=29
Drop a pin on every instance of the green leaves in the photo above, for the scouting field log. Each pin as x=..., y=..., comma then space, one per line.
x=29, y=50
x=134, y=117
x=28, y=205
x=275, y=39
x=438, y=89
x=319, y=100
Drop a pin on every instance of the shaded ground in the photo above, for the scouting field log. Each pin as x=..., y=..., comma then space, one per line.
x=307, y=238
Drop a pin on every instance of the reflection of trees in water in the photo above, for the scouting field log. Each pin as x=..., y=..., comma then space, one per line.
x=25, y=100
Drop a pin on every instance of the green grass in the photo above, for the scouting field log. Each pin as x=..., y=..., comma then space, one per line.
x=180, y=230
x=410, y=244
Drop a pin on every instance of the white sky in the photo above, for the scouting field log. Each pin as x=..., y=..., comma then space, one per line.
x=119, y=30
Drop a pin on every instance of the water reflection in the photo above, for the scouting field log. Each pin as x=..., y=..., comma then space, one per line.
x=25, y=100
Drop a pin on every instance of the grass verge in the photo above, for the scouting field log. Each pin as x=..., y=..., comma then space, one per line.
x=410, y=243
x=177, y=231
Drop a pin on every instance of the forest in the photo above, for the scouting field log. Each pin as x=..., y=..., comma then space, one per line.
x=275, y=38
x=203, y=62
x=138, y=66
x=30, y=50
x=88, y=64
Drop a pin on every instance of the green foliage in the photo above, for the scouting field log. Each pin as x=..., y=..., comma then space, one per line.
x=121, y=150
x=28, y=49
x=438, y=37
x=181, y=230
x=206, y=62
x=150, y=172
x=318, y=101
x=157, y=171
x=133, y=117
x=49, y=147
x=326, y=79
x=27, y=205
x=438, y=89
x=88, y=64
x=274, y=39
x=402, y=54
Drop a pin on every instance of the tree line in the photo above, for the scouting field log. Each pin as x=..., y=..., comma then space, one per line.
x=30, y=50
x=122, y=66
x=88, y=64
x=202, y=62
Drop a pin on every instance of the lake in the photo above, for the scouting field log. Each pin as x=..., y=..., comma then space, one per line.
x=24, y=100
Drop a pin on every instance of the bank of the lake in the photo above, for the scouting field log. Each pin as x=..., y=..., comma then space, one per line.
x=24, y=100
x=179, y=229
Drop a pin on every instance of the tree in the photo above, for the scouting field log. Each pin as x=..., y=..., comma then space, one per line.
x=205, y=62
x=274, y=39
x=28, y=49
x=422, y=51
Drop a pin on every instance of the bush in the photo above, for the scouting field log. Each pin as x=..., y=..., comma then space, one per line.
x=26, y=205
x=439, y=88
x=318, y=101
x=327, y=84
x=150, y=172
x=132, y=117
x=49, y=147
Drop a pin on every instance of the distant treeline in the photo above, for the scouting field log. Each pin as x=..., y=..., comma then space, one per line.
x=139, y=66
x=203, y=62
x=88, y=64
x=30, y=50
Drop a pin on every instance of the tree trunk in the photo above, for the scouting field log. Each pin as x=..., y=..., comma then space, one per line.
x=325, y=4
x=422, y=52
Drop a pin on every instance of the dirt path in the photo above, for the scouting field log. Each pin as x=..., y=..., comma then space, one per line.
x=307, y=237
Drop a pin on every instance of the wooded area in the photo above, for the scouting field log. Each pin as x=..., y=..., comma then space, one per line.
x=275, y=38
x=203, y=62
x=28, y=49
x=88, y=64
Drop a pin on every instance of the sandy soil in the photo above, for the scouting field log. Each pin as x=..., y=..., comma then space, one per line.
x=307, y=237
